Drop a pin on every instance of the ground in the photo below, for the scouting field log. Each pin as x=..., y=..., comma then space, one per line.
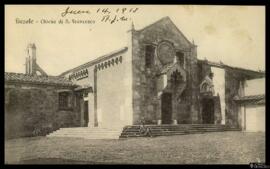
x=209, y=148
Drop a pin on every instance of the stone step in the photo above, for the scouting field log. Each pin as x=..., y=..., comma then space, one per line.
x=154, y=131
x=164, y=130
x=134, y=131
x=155, y=134
x=87, y=132
x=166, y=134
x=179, y=125
x=92, y=133
x=179, y=129
x=78, y=135
x=89, y=128
x=87, y=137
x=161, y=130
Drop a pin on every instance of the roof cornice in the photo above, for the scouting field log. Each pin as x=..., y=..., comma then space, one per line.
x=97, y=60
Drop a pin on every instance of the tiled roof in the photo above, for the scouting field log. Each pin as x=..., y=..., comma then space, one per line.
x=24, y=78
x=251, y=100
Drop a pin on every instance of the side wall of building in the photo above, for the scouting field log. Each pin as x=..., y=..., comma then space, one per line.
x=114, y=86
x=110, y=104
x=253, y=115
x=33, y=110
x=255, y=118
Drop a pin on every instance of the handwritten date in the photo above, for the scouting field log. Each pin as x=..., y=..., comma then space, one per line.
x=105, y=11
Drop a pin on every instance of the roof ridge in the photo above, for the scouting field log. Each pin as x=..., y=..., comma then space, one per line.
x=157, y=21
x=33, y=75
x=36, y=79
x=166, y=18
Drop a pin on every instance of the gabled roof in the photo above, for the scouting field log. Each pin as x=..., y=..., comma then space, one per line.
x=163, y=20
x=35, y=79
x=97, y=60
x=251, y=100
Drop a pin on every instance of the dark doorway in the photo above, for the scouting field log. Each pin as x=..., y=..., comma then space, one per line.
x=85, y=113
x=166, y=108
x=208, y=111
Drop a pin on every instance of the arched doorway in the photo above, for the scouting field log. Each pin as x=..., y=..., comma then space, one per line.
x=208, y=111
x=166, y=108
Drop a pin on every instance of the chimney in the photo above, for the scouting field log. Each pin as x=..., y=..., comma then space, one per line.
x=31, y=59
x=31, y=66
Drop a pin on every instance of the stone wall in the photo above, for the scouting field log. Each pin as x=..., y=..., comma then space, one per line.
x=232, y=86
x=33, y=110
x=219, y=86
x=146, y=99
x=203, y=69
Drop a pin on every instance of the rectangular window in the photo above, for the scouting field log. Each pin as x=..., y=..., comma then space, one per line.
x=149, y=55
x=181, y=58
x=64, y=100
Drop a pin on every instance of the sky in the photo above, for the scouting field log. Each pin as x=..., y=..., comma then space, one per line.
x=234, y=35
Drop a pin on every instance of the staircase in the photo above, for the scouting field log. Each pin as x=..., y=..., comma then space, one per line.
x=168, y=130
x=87, y=133
x=137, y=131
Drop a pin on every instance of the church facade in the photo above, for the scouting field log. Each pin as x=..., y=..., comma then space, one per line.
x=156, y=79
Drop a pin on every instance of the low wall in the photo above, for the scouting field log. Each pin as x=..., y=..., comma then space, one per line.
x=33, y=110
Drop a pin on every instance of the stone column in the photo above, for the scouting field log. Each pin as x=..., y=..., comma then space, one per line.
x=174, y=109
x=81, y=112
x=158, y=112
x=91, y=113
x=95, y=97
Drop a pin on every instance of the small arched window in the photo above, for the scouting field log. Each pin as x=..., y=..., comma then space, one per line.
x=120, y=59
x=102, y=66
